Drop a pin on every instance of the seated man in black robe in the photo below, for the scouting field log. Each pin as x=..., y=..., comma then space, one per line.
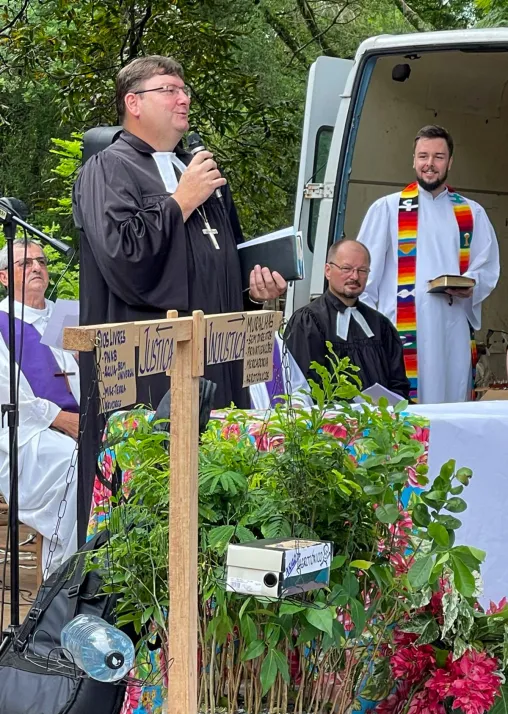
x=154, y=236
x=355, y=330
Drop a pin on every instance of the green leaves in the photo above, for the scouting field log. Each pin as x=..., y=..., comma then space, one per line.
x=439, y=533
x=387, y=514
x=456, y=505
x=254, y=649
x=420, y=515
x=419, y=572
x=321, y=618
x=464, y=561
x=273, y=662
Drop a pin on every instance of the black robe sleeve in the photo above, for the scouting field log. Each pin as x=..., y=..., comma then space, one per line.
x=306, y=341
x=125, y=234
x=399, y=382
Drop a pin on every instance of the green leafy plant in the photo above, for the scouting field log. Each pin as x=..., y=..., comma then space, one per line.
x=334, y=474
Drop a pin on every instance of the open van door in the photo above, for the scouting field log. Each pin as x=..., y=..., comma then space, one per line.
x=327, y=79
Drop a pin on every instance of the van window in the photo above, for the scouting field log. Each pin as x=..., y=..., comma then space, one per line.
x=321, y=151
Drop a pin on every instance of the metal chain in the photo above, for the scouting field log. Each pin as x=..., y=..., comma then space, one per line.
x=71, y=471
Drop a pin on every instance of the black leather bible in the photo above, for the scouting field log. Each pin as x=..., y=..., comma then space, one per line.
x=281, y=251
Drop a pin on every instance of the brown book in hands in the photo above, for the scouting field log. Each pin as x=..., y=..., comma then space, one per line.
x=444, y=282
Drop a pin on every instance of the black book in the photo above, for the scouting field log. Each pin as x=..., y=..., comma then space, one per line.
x=281, y=251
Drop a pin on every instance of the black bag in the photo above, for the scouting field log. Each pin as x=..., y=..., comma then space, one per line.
x=30, y=679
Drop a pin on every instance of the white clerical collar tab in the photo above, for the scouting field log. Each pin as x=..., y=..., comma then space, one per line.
x=344, y=319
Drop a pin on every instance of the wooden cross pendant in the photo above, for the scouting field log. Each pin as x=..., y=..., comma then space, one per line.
x=211, y=233
x=66, y=376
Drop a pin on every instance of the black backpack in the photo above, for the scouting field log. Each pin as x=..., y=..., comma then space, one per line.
x=31, y=678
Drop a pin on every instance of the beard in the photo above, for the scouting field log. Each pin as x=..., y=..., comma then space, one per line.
x=352, y=290
x=432, y=185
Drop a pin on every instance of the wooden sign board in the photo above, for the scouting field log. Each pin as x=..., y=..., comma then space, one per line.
x=116, y=366
x=156, y=348
x=225, y=337
x=259, y=342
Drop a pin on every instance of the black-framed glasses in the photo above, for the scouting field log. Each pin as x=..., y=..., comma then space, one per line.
x=348, y=270
x=172, y=89
x=28, y=262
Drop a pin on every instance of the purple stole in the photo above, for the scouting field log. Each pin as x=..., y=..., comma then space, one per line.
x=275, y=386
x=39, y=365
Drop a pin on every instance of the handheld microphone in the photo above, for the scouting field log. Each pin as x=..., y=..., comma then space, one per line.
x=195, y=145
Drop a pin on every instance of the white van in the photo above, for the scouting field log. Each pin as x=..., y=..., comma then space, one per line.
x=360, y=120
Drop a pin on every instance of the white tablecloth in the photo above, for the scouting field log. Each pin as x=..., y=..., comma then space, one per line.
x=475, y=434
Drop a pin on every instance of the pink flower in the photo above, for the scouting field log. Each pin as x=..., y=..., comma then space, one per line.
x=426, y=702
x=421, y=434
x=472, y=681
x=411, y=663
x=496, y=608
x=404, y=639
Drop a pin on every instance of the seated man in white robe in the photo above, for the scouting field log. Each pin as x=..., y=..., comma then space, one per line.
x=287, y=379
x=425, y=231
x=48, y=408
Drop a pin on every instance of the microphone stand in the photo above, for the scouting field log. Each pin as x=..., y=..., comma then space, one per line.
x=10, y=218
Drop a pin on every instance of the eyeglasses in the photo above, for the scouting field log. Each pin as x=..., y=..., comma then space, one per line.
x=348, y=270
x=28, y=262
x=172, y=89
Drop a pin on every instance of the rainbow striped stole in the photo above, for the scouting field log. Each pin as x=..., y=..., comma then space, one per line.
x=406, y=257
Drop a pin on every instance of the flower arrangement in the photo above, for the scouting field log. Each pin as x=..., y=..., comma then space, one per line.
x=397, y=629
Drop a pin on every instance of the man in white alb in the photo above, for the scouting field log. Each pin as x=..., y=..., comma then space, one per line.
x=48, y=407
x=414, y=236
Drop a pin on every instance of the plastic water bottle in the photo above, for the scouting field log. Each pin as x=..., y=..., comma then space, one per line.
x=99, y=649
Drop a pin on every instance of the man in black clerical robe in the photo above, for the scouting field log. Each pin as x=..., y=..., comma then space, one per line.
x=153, y=237
x=355, y=330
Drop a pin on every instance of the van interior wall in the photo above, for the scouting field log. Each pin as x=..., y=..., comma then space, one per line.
x=466, y=93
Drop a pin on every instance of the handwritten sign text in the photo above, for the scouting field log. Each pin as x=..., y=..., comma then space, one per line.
x=225, y=338
x=156, y=349
x=259, y=341
x=116, y=366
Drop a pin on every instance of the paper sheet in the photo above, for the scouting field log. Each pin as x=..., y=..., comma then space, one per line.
x=376, y=392
x=65, y=314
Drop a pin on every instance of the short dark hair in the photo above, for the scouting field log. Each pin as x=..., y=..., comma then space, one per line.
x=332, y=250
x=130, y=77
x=433, y=131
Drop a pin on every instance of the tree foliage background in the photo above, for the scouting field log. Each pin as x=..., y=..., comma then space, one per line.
x=247, y=62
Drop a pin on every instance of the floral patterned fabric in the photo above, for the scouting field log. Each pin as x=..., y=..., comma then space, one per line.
x=148, y=699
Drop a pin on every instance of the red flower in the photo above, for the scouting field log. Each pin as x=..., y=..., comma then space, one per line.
x=496, y=608
x=471, y=680
x=426, y=702
x=404, y=639
x=412, y=663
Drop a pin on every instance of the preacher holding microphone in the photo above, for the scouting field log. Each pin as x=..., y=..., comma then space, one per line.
x=195, y=145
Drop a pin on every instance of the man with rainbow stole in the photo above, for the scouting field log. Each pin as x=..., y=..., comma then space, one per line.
x=414, y=236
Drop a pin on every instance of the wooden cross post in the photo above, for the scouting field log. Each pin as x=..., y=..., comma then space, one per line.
x=181, y=353
x=183, y=520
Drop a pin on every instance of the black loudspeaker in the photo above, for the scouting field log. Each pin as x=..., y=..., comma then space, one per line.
x=401, y=72
x=99, y=138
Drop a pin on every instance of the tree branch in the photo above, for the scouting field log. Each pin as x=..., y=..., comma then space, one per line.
x=284, y=35
x=412, y=17
x=310, y=20
x=332, y=23
x=17, y=17
x=139, y=29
